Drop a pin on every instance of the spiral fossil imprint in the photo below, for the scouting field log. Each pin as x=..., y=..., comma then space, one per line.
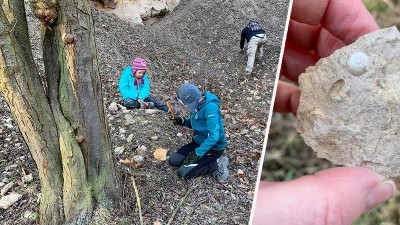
x=349, y=110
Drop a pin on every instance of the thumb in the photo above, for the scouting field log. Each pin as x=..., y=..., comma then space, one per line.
x=332, y=196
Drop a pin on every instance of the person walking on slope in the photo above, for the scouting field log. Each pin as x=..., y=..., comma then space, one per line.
x=134, y=86
x=209, y=139
x=255, y=36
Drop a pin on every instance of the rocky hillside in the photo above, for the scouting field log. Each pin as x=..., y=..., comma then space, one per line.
x=198, y=42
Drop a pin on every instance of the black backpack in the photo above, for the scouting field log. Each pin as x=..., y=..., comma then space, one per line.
x=254, y=26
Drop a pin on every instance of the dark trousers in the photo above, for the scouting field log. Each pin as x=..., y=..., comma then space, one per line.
x=133, y=104
x=205, y=165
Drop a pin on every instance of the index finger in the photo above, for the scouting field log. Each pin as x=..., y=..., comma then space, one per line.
x=346, y=20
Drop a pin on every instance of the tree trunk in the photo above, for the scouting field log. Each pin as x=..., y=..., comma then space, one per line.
x=63, y=124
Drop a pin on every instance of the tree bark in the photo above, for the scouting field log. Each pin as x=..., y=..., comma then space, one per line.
x=64, y=127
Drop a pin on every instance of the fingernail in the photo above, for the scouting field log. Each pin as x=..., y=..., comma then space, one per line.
x=380, y=193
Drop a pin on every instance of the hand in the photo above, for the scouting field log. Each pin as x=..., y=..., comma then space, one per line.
x=316, y=29
x=333, y=196
x=178, y=120
x=143, y=105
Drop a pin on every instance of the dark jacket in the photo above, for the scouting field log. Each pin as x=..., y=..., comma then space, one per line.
x=208, y=126
x=248, y=34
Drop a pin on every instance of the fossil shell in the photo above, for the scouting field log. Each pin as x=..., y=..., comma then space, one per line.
x=349, y=110
x=357, y=63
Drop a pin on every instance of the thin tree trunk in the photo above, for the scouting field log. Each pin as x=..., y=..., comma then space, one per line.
x=65, y=127
x=24, y=93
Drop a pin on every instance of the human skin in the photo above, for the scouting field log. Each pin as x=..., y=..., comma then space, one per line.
x=339, y=195
x=336, y=196
x=139, y=73
x=316, y=29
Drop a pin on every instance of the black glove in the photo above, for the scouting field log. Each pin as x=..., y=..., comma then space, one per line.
x=178, y=120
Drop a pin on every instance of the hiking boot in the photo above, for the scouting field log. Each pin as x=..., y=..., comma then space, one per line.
x=150, y=105
x=247, y=72
x=222, y=172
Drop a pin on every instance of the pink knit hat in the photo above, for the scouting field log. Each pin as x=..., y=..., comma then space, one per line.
x=139, y=64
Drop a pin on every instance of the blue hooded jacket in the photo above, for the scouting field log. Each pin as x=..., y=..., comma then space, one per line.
x=130, y=88
x=208, y=126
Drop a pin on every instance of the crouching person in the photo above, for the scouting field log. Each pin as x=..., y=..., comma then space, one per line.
x=134, y=86
x=209, y=139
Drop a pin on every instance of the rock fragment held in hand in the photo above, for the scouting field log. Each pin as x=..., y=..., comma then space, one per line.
x=349, y=110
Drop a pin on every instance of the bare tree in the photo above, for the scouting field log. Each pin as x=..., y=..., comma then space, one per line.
x=60, y=117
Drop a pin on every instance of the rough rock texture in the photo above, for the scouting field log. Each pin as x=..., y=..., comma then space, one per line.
x=354, y=120
x=138, y=11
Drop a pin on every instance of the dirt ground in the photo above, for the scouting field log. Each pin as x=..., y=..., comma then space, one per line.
x=198, y=42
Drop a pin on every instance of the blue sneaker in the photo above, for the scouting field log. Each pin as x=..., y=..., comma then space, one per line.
x=222, y=172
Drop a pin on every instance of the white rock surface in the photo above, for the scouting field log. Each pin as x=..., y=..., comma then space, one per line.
x=154, y=138
x=30, y=215
x=9, y=200
x=129, y=119
x=135, y=11
x=138, y=158
x=119, y=150
x=129, y=139
x=27, y=178
x=349, y=112
x=113, y=107
x=6, y=188
x=151, y=111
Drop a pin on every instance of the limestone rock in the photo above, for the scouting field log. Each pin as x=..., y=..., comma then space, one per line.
x=136, y=11
x=113, y=106
x=130, y=138
x=6, y=188
x=8, y=200
x=129, y=119
x=151, y=111
x=349, y=110
x=30, y=215
x=154, y=138
x=27, y=178
x=138, y=158
x=119, y=150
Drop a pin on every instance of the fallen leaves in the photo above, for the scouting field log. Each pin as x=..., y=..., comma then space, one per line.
x=130, y=163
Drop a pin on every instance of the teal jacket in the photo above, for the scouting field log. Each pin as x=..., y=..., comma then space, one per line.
x=208, y=125
x=132, y=88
